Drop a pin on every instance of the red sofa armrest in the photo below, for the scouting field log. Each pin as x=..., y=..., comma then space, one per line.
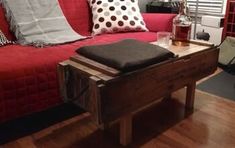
x=158, y=22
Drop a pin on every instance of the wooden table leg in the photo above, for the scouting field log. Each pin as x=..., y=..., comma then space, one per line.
x=62, y=68
x=126, y=130
x=190, y=94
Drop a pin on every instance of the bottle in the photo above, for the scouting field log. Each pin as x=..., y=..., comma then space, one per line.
x=181, y=26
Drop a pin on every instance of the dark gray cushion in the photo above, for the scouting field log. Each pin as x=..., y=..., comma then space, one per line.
x=126, y=55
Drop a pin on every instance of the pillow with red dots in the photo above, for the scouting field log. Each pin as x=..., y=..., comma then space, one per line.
x=111, y=16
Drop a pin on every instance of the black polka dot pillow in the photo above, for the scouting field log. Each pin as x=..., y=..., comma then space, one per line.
x=4, y=40
x=110, y=16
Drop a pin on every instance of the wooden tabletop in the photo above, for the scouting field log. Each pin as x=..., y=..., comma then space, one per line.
x=106, y=73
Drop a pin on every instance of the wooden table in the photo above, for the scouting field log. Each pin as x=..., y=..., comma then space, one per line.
x=110, y=95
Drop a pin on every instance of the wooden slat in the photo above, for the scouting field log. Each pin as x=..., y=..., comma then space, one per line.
x=62, y=68
x=201, y=43
x=95, y=65
x=82, y=69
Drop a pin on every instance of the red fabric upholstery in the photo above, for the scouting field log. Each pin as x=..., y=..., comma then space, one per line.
x=4, y=25
x=78, y=15
x=28, y=77
x=158, y=22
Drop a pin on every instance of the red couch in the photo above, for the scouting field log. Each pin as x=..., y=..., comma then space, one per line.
x=28, y=77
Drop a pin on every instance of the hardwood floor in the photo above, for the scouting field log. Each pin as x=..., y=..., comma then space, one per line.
x=164, y=125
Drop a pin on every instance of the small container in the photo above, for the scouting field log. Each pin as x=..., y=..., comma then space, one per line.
x=163, y=39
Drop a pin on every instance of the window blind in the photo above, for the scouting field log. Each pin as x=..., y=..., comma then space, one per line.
x=206, y=7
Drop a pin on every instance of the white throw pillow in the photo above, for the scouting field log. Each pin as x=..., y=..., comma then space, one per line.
x=110, y=16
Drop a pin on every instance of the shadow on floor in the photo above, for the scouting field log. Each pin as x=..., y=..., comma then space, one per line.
x=27, y=125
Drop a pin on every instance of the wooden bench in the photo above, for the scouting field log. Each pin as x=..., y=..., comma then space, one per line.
x=110, y=95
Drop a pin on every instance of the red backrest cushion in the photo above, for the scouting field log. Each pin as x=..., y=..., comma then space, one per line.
x=4, y=25
x=78, y=15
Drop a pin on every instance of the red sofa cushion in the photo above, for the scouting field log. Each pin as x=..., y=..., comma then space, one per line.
x=78, y=15
x=158, y=22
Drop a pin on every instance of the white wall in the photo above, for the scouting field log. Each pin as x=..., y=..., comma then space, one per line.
x=225, y=6
x=142, y=4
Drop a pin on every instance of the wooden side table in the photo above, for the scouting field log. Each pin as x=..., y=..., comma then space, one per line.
x=110, y=95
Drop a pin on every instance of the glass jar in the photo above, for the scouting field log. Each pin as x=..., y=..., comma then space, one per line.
x=182, y=25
